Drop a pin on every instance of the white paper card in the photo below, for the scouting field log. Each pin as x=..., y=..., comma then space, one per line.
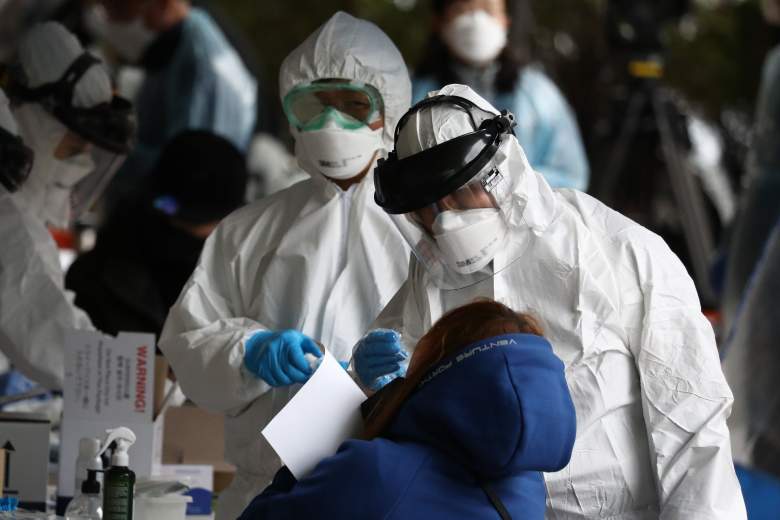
x=324, y=413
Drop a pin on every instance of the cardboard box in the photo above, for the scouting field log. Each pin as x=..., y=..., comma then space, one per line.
x=25, y=442
x=195, y=436
x=109, y=382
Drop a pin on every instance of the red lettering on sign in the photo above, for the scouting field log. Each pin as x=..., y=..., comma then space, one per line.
x=140, y=380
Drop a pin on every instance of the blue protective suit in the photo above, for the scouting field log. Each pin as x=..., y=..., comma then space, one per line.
x=501, y=415
x=546, y=126
x=194, y=80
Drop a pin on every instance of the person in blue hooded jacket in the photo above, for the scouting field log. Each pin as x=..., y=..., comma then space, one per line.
x=484, y=44
x=483, y=410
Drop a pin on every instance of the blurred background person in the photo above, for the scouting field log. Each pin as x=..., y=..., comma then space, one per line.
x=193, y=78
x=148, y=249
x=485, y=44
x=749, y=302
x=751, y=366
x=759, y=206
x=314, y=262
x=64, y=105
x=423, y=452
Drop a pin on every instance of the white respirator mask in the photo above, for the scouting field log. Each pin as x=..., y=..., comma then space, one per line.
x=469, y=239
x=475, y=37
x=339, y=153
x=129, y=39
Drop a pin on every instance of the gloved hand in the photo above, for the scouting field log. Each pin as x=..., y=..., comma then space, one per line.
x=278, y=357
x=378, y=358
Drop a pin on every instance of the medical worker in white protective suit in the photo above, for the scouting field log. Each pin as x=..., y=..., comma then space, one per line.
x=615, y=302
x=314, y=262
x=63, y=103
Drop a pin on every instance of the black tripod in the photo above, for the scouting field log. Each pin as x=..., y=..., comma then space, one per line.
x=648, y=95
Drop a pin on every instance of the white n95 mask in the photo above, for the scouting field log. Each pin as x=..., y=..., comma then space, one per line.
x=129, y=39
x=469, y=239
x=475, y=37
x=338, y=153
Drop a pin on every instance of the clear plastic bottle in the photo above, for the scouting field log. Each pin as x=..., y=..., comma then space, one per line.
x=89, y=458
x=89, y=504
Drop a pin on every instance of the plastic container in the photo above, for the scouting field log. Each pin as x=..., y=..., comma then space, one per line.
x=89, y=458
x=88, y=505
x=166, y=507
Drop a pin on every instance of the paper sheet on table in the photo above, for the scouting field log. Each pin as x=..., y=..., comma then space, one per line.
x=324, y=413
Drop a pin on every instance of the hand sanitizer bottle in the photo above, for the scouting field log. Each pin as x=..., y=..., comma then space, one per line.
x=88, y=505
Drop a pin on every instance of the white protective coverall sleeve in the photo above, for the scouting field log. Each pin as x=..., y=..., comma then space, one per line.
x=685, y=398
x=35, y=308
x=204, y=334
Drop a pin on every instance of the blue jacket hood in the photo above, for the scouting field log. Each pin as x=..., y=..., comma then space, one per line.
x=500, y=407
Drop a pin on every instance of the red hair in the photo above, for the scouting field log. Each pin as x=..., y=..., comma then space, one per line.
x=454, y=331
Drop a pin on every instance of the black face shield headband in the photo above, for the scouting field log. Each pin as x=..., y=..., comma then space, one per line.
x=16, y=160
x=108, y=125
x=405, y=185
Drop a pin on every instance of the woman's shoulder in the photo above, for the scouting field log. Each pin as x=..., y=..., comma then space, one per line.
x=540, y=90
x=379, y=459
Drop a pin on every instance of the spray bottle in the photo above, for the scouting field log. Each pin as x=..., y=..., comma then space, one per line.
x=119, y=479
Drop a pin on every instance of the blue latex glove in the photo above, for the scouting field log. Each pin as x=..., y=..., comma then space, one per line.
x=278, y=357
x=379, y=358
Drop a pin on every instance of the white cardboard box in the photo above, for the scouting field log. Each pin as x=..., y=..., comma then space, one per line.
x=25, y=438
x=109, y=382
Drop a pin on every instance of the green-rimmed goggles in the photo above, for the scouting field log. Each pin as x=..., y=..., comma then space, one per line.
x=350, y=104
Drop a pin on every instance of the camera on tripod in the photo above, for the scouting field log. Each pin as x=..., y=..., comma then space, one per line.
x=635, y=27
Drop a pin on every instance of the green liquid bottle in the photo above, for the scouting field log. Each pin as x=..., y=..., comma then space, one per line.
x=119, y=480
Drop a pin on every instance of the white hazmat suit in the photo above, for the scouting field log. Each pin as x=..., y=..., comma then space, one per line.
x=35, y=308
x=312, y=258
x=622, y=313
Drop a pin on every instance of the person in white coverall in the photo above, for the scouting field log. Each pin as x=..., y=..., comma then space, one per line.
x=63, y=103
x=314, y=262
x=616, y=303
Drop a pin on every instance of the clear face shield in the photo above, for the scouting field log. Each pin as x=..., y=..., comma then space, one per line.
x=98, y=138
x=451, y=202
x=84, y=194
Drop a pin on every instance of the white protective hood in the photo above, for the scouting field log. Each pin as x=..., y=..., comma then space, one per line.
x=45, y=53
x=346, y=47
x=525, y=200
x=428, y=128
